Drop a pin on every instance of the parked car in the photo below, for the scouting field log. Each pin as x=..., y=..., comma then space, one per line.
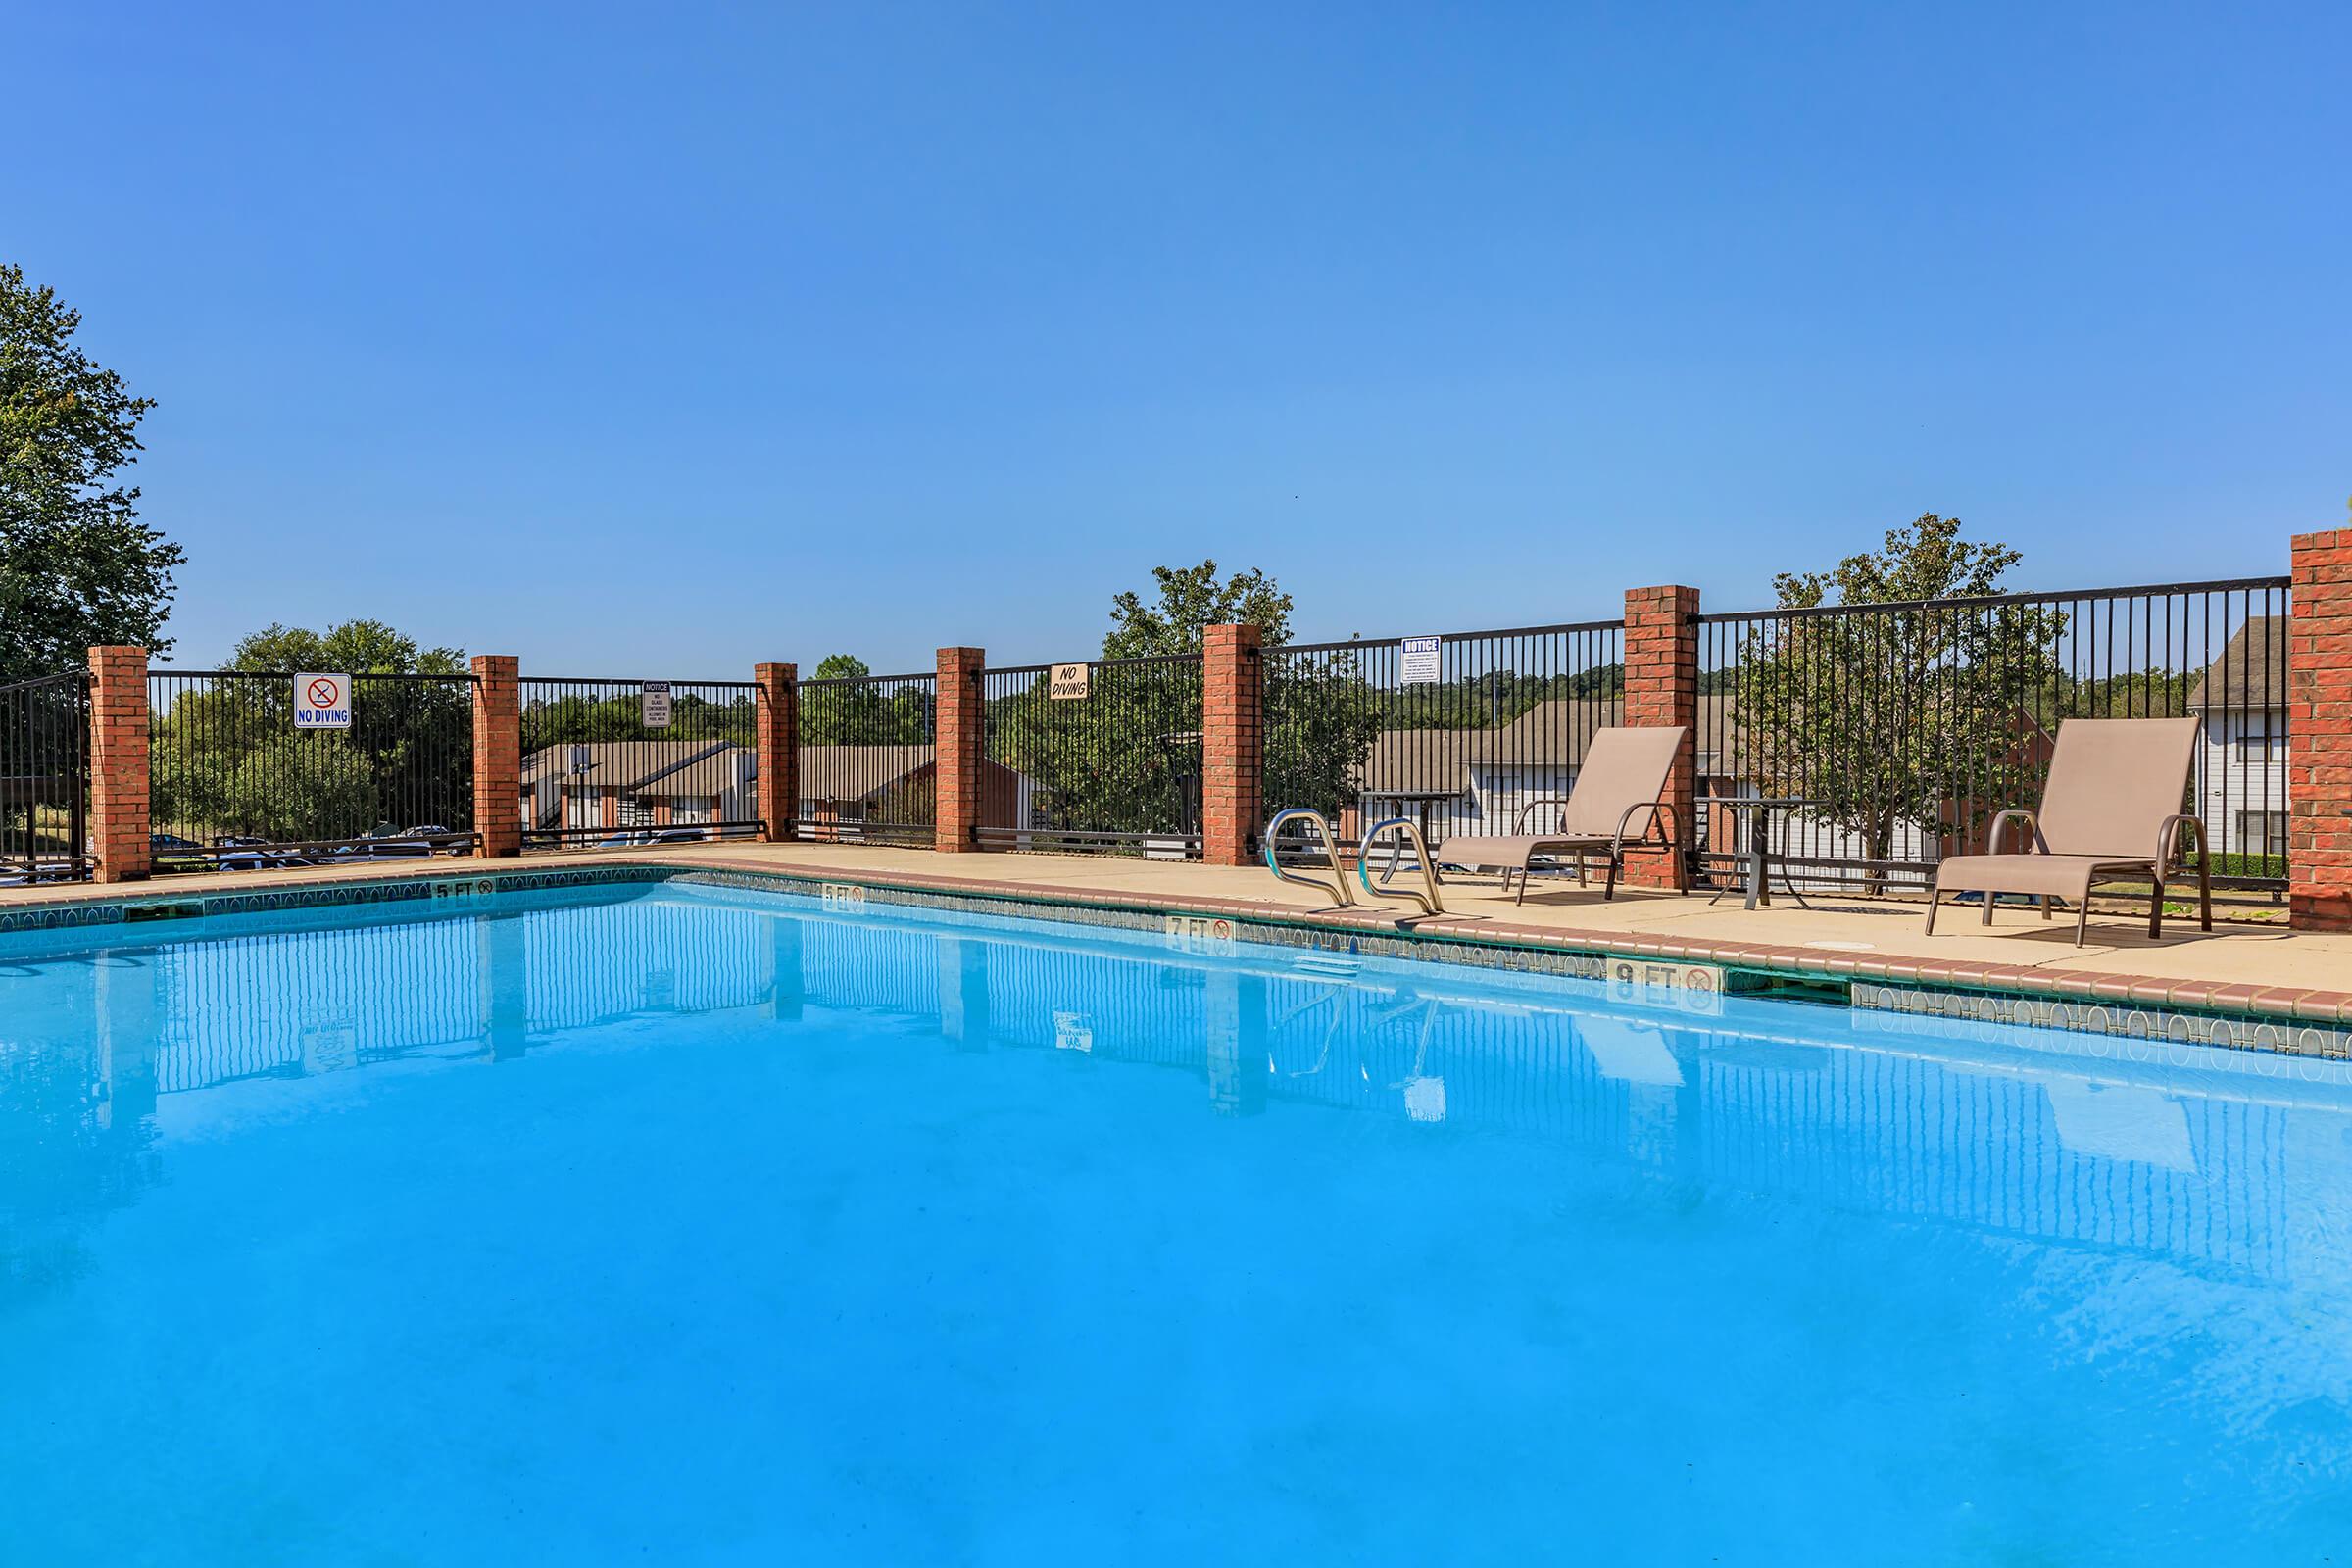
x=384, y=842
x=46, y=871
x=439, y=840
x=654, y=835
x=253, y=855
x=168, y=852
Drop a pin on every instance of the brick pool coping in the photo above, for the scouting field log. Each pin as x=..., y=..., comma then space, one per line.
x=2297, y=1019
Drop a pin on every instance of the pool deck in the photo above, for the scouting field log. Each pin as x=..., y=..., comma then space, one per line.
x=2241, y=969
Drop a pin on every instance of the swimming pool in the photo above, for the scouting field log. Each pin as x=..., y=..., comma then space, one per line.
x=684, y=1224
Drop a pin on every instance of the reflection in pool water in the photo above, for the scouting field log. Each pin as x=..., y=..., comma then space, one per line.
x=713, y=1226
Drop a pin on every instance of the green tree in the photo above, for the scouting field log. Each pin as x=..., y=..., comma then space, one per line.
x=574, y=716
x=841, y=705
x=350, y=648
x=1189, y=601
x=77, y=565
x=1322, y=718
x=1916, y=714
x=227, y=760
x=1127, y=759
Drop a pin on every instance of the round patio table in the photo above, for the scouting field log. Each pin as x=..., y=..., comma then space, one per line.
x=1422, y=799
x=1761, y=859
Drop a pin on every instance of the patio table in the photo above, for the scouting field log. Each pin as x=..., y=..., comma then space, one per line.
x=1761, y=859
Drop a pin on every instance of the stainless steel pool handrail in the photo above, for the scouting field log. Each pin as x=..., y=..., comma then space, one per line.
x=1331, y=852
x=1428, y=897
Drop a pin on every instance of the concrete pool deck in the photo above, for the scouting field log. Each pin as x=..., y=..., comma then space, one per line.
x=2262, y=970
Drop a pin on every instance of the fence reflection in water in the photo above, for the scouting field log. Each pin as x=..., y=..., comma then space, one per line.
x=2033, y=1149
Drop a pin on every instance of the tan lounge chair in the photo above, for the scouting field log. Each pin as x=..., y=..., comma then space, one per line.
x=2111, y=808
x=1624, y=774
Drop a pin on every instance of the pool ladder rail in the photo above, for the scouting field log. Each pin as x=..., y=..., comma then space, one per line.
x=1403, y=827
x=1337, y=887
x=1427, y=896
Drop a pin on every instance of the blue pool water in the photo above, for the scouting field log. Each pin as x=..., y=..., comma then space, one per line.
x=672, y=1224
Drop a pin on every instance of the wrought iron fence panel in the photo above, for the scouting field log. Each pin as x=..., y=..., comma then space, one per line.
x=234, y=784
x=869, y=760
x=44, y=779
x=623, y=762
x=1116, y=769
x=1460, y=738
x=1907, y=727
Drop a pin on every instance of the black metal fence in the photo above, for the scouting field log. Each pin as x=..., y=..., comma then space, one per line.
x=1117, y=768
x=1909, y=726
x=44, y=779
x=235, y=785
x=297, y=1002
x=868, y=755
x=1457, y=731
x=635, y=762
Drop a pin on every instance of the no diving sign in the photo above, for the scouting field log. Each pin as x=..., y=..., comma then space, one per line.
x=322, y=701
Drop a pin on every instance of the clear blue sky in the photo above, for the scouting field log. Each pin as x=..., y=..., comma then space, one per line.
x=648, y=340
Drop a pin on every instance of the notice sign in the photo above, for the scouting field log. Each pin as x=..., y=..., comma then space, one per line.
x=1419, y=662
x=656, y=704
x=1070, y=680
x=322, y=701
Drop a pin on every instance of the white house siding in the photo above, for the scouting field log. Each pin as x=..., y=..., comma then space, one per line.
x=1808, y=835
x=1446, y=819
x=1803, y=833
x=1499, y=793
x=739, y=802
x=1503, y=791
x=2241, y=775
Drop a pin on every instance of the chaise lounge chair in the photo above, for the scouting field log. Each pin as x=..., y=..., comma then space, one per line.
x=2111, y=808
x=1624, y=774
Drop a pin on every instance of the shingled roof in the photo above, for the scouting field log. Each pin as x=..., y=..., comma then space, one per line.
x=2251, y=670
x=673, y=768
x=1555, y=733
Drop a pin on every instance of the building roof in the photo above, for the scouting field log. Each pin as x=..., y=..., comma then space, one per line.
x=648, y=767
x=2251, y=670
x=1552, y=734
x=1421, y=761
x=683, y=767
x=853, y=772
x=1557, y=732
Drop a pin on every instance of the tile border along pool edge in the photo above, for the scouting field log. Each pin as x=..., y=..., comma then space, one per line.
x=2281, y=1020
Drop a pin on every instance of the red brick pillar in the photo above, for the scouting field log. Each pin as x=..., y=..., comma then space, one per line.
x=498, y=754
x=1233, y=743
x=1661, y=687
x=119, y=770
x=962, y=749
x=2319, y=728
x=779, y=759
